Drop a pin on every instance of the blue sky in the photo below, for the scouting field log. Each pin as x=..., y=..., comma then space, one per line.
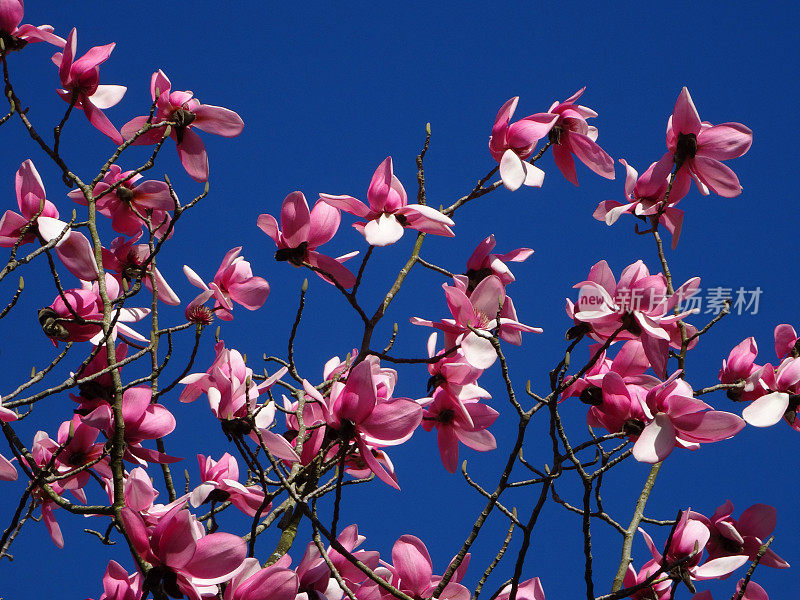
x=327, y=91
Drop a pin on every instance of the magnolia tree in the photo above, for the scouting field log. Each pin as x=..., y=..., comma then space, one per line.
x=261, y=521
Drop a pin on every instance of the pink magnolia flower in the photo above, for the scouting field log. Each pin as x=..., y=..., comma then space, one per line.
x=453, y=373
x=118, y=585
x=740, y=367
x=478, y=311
x=447, y=414
x=388, y=212
x=316, y=581
x=630, y=364
x=640, y=303
x=783, y=399
x=251, y=582
x=127, y=259
x=60, y=324
x=232, y=397
x=689, y=540
x=527, y=590
x=483, y=262
x=131, y=197
x=16, y=36
x=80, y=448
x=81, y=78
x=185, y=559
x=697, y=148
x=362, y=412
x=221, y=483
x=731, y=537
x=619, y=407
x=645, y=196
x=676, y=418
x=511, y=143
x=572, y=135
x=185, y=112
x=233, y=282
x=303, y=231
x=73, y=248
x=143, y=421
x=412, y=571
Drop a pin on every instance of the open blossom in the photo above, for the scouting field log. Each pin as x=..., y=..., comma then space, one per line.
x=59, y=323
x=572, y=136
x=676, y=418
x=453, y=373
x=16, y=36
x=458, y=421
x=478, y=311
x=645, y=197
x=740, y=368
x=389, y=212
x=630, y=364
x=126, y=258
x=697, y=148
x=233, y=282
x=131, y=197
x=185, y=559
x=81, y=80
x=483, y=262
x=73, y=248
x=783, y=399
x=362, y=411
x=302, y=231
x=143, y=421
x=639, y=304
x=186, y=113
x=511, y=143
x=689, y=539
x=744, y=535
x=221, y=483
x=315, y=579
x=232, y=397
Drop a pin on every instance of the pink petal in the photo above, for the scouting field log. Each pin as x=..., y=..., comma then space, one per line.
x=656, y=440
x=192, y=152
x=412, y=562
x=718, y=177
x=218, y=120
x=685, y=118
x=767, y=410
x=565, y=163
x=592, y=155
x=325, y=220
x=347, y=204
x=724, y=141
x=392, y=423
x=295, y=219
x=107, y=96
x=759, y=520
x=216, y=557
x=98, y=118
